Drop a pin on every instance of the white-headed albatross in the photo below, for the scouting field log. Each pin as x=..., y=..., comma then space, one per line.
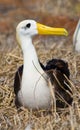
x=30, y=84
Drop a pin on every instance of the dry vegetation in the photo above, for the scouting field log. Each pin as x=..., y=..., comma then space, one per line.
x=17, y=119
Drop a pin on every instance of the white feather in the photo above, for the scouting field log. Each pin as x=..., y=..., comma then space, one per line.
x=76, y=37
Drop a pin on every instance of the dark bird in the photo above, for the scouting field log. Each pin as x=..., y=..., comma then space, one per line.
x=31, y=79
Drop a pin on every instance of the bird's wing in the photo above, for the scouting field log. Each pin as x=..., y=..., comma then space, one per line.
x=59, y=65
x=58, y=72
x=17, y=79
x=17, y=84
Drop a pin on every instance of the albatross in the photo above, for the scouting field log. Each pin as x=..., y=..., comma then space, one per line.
x=31, y=79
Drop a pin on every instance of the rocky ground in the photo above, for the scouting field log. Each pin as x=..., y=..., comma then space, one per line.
x=54, y=13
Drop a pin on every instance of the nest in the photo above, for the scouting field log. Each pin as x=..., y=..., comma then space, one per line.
x=12, y=118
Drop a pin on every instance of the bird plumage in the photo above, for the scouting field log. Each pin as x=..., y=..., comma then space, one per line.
x=56, y=69
x=31, y=79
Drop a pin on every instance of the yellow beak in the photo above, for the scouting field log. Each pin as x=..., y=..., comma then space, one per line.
x=45, y=30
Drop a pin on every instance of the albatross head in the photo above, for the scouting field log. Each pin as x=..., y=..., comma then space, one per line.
x=29, y=28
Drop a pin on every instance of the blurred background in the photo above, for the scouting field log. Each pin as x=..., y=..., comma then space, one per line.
x=57, y=13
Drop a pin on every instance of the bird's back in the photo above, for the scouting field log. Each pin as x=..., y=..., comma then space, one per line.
x=59, y=75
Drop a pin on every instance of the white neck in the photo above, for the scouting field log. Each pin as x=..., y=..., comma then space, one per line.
x=31, y=62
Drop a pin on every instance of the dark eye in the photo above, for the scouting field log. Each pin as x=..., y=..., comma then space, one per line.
x=28, y=25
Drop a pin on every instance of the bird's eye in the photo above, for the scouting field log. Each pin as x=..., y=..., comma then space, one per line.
x=28, y=25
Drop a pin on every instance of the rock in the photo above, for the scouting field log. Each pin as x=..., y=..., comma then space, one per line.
x=28, y=127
